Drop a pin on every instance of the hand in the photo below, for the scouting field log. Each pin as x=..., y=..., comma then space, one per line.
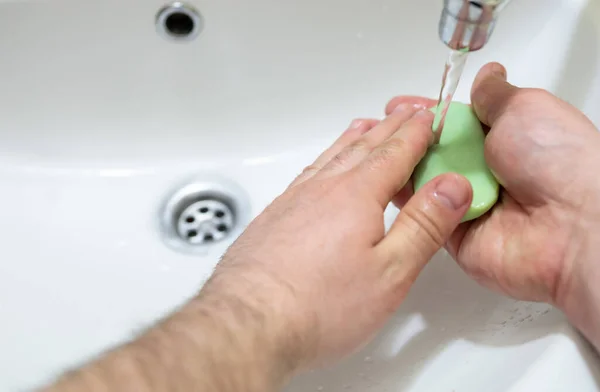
x=313, y=277
x=318, y=264
x=536, y=242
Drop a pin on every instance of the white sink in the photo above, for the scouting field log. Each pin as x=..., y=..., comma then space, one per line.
x=101, y=119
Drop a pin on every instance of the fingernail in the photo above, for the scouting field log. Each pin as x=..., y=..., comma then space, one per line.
x=355, y=124
x=452, y=192
x=499, y=71
x=402, y=107
x=424, y=113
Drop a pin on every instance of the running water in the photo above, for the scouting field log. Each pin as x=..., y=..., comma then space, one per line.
x=452, y=73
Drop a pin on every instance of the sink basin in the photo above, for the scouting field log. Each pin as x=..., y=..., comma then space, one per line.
x=103, y=119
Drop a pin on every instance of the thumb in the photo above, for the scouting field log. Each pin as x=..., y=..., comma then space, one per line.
x=426, y=222
x=491, y=93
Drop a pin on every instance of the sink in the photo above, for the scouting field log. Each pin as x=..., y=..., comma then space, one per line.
x=103, y=119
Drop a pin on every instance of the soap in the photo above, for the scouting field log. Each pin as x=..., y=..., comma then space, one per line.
x=461, y=150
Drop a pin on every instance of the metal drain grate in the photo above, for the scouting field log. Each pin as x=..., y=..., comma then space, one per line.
x=203, y=213
x=205, y=222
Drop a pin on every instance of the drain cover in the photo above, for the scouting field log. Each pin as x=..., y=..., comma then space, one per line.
x=202, y=214
x=205, y=221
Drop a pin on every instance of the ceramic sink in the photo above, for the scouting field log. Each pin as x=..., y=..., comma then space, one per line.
x=104, y=117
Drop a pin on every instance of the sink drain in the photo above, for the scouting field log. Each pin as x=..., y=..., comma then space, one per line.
x=203, y=213
x=179, y=21
x=205, y=222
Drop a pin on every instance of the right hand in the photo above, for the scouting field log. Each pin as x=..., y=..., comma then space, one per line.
x=539, y=242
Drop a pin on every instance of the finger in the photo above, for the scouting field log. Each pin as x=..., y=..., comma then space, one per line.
x=357, y=151
x=388, y=168
x=404, y=195
x=491, y=93
x=464, y=233
x=426, y=222
x=416, y=102
x=356, y=129
x=456, y=239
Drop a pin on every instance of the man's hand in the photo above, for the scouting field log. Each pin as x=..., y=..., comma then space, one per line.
x=319, y=256
x=539, y=242
x=311, y=279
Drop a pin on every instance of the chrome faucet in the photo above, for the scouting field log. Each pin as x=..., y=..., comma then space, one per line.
x=466, y=25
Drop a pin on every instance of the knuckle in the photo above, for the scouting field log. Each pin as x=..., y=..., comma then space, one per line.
x=307, y=173
x=389, y=152
x=394, y=146
x=348, y=154
x=425, y=227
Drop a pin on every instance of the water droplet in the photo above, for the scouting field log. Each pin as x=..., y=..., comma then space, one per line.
x=368, y=359
x=320, y=389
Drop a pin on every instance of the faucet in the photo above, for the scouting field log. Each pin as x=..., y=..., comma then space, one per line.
x=466, y=25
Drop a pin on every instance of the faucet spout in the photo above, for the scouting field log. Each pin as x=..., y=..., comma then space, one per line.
x=467, y=25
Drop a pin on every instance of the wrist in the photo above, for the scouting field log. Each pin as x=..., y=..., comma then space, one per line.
x=581, y=305
x=579, y=291
x=258, y=324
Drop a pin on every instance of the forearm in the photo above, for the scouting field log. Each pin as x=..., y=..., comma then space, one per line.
x=217, y=342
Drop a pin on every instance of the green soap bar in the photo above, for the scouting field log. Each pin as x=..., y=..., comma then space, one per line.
x=461, y=151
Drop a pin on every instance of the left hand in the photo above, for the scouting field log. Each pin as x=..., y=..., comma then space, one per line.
x=312, y=278
x=316, y=271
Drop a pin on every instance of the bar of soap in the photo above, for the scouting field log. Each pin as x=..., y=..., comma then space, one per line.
x=461, y=150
